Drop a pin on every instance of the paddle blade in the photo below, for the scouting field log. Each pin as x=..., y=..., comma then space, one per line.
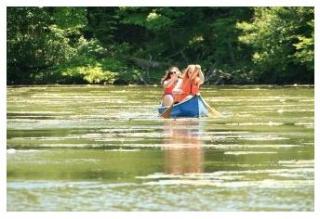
x=211, y=110
x=166, y=114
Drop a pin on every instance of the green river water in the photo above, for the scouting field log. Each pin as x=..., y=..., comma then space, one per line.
x=99, y=148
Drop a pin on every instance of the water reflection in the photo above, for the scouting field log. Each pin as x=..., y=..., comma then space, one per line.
x=101, y=153
x=183, y=147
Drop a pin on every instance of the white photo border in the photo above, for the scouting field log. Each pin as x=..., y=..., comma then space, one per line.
x=115, y=215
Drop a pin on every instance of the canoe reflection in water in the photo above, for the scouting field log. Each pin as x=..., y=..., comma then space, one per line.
x=182, y=146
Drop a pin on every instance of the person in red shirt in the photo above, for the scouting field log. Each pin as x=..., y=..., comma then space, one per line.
x=168, y=82
x=189, y=86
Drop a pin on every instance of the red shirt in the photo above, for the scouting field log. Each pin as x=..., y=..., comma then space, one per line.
x=169, y=90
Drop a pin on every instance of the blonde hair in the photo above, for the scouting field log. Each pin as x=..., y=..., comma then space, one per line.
x=194, y=69
x=191, y=68
x=167, y=73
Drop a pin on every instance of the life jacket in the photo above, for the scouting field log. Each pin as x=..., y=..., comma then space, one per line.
x=188, y=88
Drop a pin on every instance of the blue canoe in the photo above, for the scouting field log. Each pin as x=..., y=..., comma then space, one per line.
x=193, y=107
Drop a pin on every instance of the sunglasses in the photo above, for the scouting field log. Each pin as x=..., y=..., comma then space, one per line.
x=172, y=72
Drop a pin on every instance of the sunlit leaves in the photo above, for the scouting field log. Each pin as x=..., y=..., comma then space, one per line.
x=305, y=51
x=281, y=38
x=91, y=74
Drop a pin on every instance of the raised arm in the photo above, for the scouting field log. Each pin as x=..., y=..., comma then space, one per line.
x=201, y=76
x=169, y=82
x=178, y=88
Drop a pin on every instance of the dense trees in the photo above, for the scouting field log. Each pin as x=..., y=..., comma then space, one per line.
x=136, y=44
x=282, y=43
x=39, y=41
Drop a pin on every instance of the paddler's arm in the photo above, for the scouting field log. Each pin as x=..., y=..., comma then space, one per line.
x=201, y=76
x=169, y=82
x=177, y=89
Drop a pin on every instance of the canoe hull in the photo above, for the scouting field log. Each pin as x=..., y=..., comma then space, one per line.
x=193, y=107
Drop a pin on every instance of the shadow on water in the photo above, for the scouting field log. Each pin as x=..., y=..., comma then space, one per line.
x=183, y=152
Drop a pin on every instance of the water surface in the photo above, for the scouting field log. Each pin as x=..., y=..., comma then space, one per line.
x=98, y=148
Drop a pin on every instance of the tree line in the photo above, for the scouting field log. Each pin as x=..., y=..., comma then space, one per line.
x=123, y=45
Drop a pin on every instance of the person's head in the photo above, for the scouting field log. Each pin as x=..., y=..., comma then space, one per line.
x=174, y=70
x=192, y=71
x=196, y=72
x=171, y=72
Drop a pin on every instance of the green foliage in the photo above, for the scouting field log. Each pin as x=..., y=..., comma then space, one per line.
x=35, y=43
x=125, y=45
x=103, y=23
x=91, y=74
x=70, y=19
x=305, y=51
x=150, y=18
x=282, y=40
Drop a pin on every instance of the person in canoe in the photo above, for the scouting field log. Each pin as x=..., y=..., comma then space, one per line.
x=169, y=81
x=187, y=99
x=192, y=79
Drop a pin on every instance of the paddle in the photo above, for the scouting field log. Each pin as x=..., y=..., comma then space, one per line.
x=166, y=114
x=212, y=111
